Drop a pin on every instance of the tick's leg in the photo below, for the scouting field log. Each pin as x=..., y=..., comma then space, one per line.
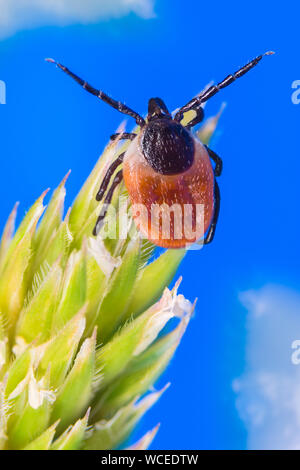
x=211, y=91
x=199, y=118
x=117, y=180
x=108, y=175
x=123, y=136
x=212, y=229
x=216, y=159
x=101, y=95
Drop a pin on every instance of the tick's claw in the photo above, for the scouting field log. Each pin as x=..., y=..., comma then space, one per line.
x=99, y=196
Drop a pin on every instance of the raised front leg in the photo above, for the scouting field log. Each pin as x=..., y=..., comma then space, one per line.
x=211, y=91
x=101, y=95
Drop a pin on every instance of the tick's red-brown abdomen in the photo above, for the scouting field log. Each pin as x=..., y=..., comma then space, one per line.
x=153, y=194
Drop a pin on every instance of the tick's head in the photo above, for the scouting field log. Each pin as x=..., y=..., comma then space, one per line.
x=157, y=109
x=167, y=146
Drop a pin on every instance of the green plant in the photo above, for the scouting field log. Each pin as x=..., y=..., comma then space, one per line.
x=80, y=324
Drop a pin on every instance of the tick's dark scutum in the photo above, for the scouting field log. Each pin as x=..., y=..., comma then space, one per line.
x=167, y=146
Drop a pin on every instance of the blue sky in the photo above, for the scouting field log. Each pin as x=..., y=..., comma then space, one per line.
x=173, y=49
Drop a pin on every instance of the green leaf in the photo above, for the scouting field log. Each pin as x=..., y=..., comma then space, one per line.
x=96, y=285
x=115, y=303
x=51, y=219
x=27, y=226
x=156, y=276
x=109, y=434
x=42, y=306
x=59, y=351
x=4, y=415
x=140, y=374
x=76, y=391
x=145, y=442
x=17, y=372
x=4, y=347
x=74, y=289
x=73, y=437
x=12, y=284
x=147, y=250
x=137, y=335
x=8, y=234
x=58, y=246
x=32, y=410
x=15, y=262
x=43, y=442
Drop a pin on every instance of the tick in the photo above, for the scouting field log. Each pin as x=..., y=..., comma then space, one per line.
x=166, y=165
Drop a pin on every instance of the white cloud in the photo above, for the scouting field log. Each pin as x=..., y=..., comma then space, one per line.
x=24, y=14
x=269, y=391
